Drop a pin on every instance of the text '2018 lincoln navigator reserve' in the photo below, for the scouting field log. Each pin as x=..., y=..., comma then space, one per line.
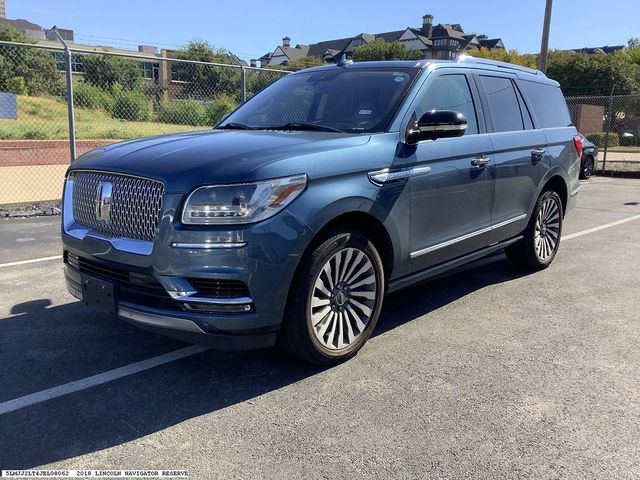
x=292, y=218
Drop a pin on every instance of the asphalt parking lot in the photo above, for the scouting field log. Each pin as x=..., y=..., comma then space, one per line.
x=484, y=373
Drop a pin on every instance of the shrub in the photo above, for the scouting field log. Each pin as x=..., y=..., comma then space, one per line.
x=104, y=72
x=89, y=96
x=222, y=105
x=38, y=68
x=133, y=106
x=599, y=138
x=114, y=133
x=185, y=112
x=17, y=85
x=629, y=141
x=33, y=134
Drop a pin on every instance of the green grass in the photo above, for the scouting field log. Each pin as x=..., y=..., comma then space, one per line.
x=623, y=149
x=42, y=118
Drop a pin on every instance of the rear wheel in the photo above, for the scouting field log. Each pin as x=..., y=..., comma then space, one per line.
x=541, y=239
x=335, y=299
x=587, y=167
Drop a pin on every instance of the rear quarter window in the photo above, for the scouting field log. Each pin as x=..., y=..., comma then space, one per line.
x=547, y=103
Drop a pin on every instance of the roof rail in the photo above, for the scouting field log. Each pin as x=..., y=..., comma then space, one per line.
x=485, y=61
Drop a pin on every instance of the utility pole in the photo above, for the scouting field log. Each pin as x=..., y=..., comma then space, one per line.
x=544, y=48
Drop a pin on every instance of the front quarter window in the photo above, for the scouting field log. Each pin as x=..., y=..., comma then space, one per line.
x=356, y=100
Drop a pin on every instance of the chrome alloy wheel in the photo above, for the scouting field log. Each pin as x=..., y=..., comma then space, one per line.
x=343, y=298
x=547, y=233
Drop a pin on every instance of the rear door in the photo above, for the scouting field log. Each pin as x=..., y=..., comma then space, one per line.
x=550, y=113
x=451, y=185
x=520, y=153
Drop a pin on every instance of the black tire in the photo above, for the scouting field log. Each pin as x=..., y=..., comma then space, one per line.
x=588, y=166
x=298, y=335
x=526, y=254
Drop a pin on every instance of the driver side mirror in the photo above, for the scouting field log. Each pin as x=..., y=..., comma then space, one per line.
x=436, y=124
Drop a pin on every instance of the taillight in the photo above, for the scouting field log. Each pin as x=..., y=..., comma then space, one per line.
x=577, y=141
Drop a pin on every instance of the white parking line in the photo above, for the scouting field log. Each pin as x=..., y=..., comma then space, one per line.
x=33, y=260
x=98, y=379
x=601, y=227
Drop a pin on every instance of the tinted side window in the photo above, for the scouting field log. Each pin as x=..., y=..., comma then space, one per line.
x=503, y=104
x=526, y=115
x=548, y=104
x=450, y=92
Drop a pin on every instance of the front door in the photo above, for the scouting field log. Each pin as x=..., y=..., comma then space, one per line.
x=451, y=184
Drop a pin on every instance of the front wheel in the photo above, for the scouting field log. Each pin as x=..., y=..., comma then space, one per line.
x=335, y=299
x=541, y=238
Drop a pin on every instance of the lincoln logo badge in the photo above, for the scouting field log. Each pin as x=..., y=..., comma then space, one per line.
x=104, y=197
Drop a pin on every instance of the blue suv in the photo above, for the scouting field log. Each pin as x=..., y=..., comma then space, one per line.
x=291, y=220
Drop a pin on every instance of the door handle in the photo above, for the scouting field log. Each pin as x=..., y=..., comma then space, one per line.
x=537, y=153
x=480, y=162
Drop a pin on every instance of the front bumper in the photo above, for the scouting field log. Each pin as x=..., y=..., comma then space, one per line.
x=173, y=324
x=263, y=257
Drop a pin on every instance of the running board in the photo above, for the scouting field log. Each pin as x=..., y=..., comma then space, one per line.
x=431, y=272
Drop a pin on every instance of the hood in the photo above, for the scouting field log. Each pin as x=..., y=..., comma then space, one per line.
x=185, y=160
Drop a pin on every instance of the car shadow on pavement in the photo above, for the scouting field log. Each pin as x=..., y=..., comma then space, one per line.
x=45, y=347
x=422, y=298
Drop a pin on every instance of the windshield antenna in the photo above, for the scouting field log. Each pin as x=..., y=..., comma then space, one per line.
x=343, y=61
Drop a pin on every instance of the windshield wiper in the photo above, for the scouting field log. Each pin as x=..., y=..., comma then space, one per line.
x=235, y=126
x=312, y=127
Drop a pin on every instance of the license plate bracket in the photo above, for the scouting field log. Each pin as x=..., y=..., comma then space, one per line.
x=99, y=293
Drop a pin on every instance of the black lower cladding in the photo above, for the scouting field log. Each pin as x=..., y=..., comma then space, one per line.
x=141, y=288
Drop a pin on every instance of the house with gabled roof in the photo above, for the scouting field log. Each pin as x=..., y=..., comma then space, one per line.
x=443, y=40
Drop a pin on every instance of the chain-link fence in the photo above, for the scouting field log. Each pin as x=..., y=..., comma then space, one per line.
x=123, y=95
x=116, y=96
x=612, y=123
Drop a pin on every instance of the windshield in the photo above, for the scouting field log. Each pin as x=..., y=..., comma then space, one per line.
x=359, y=100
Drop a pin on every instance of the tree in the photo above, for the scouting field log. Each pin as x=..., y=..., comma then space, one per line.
x=502, y=55
x=594, y=74
x=382, y=50
x=9, y=33
x=633, y=42
x=206, y=81
x=302, y=63
x=104, y=71
x=36, y=68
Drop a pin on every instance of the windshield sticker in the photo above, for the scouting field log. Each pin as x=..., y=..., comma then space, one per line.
x=399, y=77
x=365, y=112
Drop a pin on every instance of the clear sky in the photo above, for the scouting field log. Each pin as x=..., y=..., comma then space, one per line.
x=251, y=28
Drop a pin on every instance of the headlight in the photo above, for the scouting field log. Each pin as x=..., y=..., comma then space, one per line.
x=241, y=203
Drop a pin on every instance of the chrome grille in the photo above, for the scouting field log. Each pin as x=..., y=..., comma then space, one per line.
x=135, y=204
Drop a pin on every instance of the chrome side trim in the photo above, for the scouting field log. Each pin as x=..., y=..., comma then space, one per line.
x=208, y=245
x=449, y=242
x=576, y=191
x=386, y=175
x=442, y=128
x=508, y=222
x=453, y=241
x=161, y=321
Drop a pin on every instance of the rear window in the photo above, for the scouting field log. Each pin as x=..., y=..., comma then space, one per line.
x=548, y=104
